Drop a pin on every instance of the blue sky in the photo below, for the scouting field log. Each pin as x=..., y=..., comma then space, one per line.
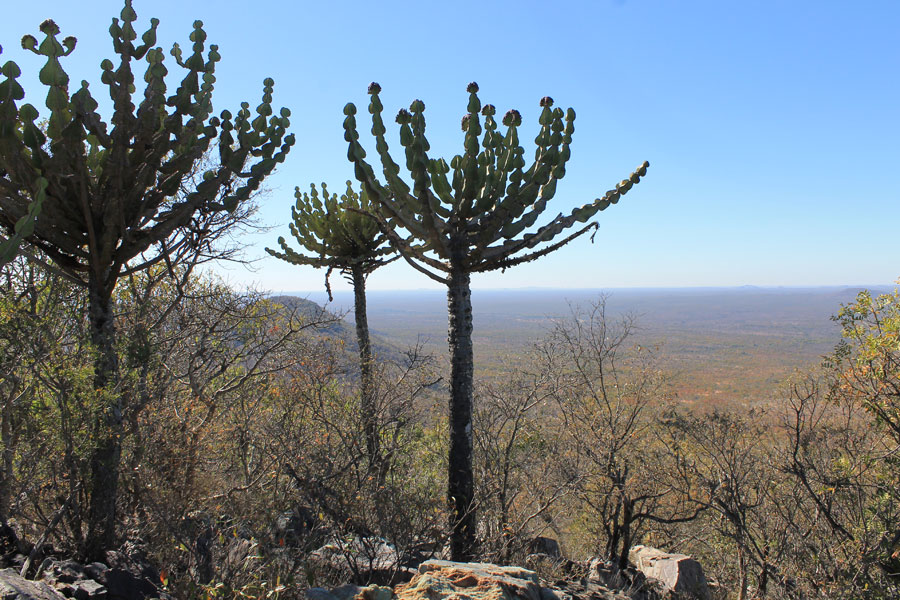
x=772, y=127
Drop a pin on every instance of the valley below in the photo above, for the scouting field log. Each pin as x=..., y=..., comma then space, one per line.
x=719, y=346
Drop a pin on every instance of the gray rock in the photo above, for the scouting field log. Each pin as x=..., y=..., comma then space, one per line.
x=318, y=593
x=363, y=560
x=96, y=570
x=13, y=587
x=294, y=526
x=46, y=564
x=544, y=545
x=678, y=573
x=346, y=591
x=90, y=590
x=551, y=594
x=63, y=571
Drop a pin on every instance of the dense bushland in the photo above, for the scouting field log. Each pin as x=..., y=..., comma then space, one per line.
x=244, y=453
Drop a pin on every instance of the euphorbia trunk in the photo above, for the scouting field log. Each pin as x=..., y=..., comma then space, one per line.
x=461, y=488
x=366, y=366
x=107, y=442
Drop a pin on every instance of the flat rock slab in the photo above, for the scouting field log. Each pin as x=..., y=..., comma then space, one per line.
x=481, y=569
x=13, y=587
x=446, y=580
x=470, y=581
x=90, y=590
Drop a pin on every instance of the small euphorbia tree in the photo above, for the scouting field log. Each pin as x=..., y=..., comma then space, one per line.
x=470, y=216
x=120, y=197
x=339, y=235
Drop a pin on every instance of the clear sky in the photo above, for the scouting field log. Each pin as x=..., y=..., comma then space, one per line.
x=772, y=127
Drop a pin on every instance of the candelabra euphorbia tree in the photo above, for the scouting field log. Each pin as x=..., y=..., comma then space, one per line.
x=338, y=235
x=471, y=216
x=122, y=197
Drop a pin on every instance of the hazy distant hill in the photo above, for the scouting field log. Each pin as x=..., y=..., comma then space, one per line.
x=341, y=329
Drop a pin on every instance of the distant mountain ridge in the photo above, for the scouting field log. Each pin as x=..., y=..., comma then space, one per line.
x=340, y=329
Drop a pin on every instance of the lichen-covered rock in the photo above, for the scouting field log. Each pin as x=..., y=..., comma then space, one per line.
x=352, y=592
x=476, y=581
x=678, y=573
x=446, y=580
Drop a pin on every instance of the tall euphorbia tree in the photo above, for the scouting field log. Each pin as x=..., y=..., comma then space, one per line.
x=471, y=216
x=120, y=199
x=340, y=236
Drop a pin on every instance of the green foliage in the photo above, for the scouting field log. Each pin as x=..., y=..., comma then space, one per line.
x=869, y=356
x=109, y=192
x=24, y=226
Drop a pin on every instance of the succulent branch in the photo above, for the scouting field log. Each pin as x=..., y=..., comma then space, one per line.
x=484, y=200
x=95, y=207
x=337, y=232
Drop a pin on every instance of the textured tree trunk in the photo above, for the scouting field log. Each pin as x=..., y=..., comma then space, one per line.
x=7, y=455
x=613, y=532
x=9, y=542
x=763, y=586
x=107, y=444
x=461, y=488
x=366, y=366
x=627, y=519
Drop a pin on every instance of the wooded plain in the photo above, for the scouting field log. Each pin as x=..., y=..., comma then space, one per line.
x=721, y=346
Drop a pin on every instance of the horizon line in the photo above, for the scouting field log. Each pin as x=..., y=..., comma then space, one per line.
x=600, y=289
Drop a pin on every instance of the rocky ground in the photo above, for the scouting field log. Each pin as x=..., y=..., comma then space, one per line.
x=678, y=578
x=127, y=575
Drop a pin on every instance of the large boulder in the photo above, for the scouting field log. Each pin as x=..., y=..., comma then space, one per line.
x=678, y=573
x=544, y=545
x=13, y=587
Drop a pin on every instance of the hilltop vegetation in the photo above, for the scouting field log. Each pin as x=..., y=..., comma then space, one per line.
x=152, y=415
x=243, y=427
